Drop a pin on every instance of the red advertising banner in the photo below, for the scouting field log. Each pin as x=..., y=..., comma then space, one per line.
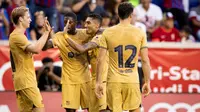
x=173, y=70
x=171, y=103
x=6, y=82
x=152, y=103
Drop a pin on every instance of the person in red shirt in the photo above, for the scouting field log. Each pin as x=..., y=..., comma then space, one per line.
x=167, y=32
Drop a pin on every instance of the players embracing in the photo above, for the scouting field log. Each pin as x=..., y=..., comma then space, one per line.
x=113, y=55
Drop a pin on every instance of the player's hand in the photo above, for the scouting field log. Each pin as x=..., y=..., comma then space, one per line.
x=66, y=27
x=99, y=90
x=146, y=89
x=47, y=26
x=50, y=65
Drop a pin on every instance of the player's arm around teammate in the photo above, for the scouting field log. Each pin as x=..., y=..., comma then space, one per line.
x=92, y=25
x=81, y=48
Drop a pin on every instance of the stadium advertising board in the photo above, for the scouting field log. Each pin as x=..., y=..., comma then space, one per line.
x=173, y=70
x=152, y=103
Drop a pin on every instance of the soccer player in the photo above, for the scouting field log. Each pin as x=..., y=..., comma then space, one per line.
x=75, y=77
x=21, y=51
x=92, y=25
x=123, y=42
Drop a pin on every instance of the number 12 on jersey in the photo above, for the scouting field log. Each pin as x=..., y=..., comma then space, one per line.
x=120, y=50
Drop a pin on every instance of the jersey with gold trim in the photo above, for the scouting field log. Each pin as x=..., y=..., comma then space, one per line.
x=22, y=62
x=93, y=59
x=75, y=68
x=123, y=43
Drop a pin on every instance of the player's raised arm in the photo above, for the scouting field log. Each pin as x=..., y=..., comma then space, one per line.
x=38, y=46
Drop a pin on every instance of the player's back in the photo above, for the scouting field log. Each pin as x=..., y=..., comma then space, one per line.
x=123, y=43
x=21, y=61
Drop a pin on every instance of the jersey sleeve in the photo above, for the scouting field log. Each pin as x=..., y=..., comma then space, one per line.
x=102, y=41
x=96, y=40
x=144, y=40
x=56, y=38
x=21, y=41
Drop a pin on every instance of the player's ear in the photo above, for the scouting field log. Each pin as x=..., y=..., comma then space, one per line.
x=131, y=15
x=20, y=19
x=98, y=25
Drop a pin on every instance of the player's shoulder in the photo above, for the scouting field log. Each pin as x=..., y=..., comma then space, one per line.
x=110, y=29
x=81, y=30
x=138, y=29
x=97, y=36
x=16, y=35
x=60, y=33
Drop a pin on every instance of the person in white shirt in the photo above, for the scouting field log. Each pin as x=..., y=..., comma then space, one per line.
x=137, y=23
x=149, y=14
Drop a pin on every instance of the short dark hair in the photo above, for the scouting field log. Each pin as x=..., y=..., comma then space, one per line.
x=124, y=10
x=46, y=60
x=105, y=15
x=187, y=29
x=96, y=17
x=72, y=15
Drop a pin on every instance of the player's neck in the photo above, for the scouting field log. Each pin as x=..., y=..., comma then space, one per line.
x=125, y=22
x=20, y=28
x=73, y=32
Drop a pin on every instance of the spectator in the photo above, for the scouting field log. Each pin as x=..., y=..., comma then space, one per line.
x=49, y=8
x=149, y=14
x=4, y=23
x=106, y=20
x=38, y=29
x=193, y=3
x=111, y=7
x=167, y=32
x=185, y=34
x=194, y=16
x=177, y=9
x=84, y=7
x=101, y=3
x=63, y=6
x=48, y=76
x=136, y=23
x=13, y=4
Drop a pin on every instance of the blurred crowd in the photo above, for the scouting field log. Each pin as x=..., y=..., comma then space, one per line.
x=163, y=20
